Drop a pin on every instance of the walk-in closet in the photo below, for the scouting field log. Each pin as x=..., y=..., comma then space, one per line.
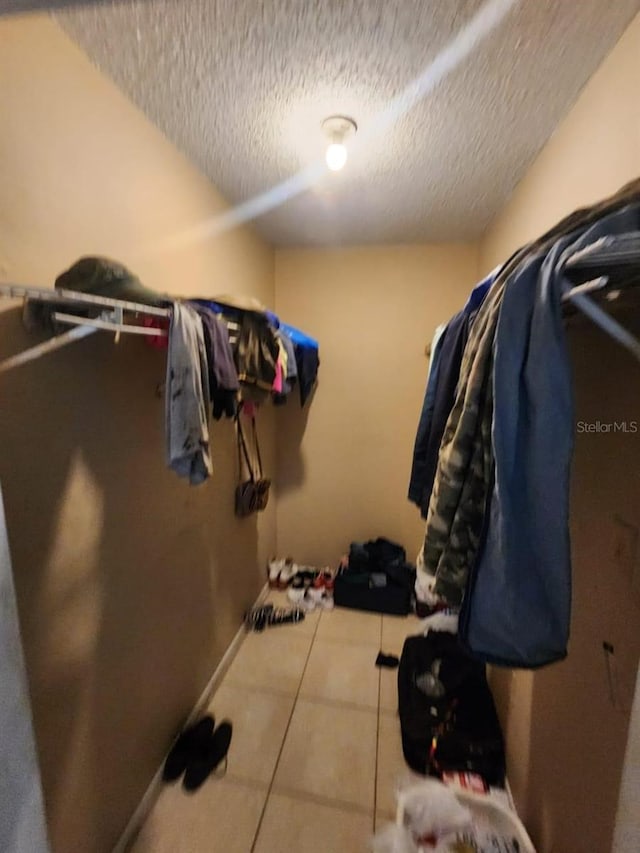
x=319, y=426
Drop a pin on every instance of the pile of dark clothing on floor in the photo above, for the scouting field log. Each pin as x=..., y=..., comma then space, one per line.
x=375, y=577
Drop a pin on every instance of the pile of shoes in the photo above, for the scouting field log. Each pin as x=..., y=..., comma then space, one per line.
x=307, y=587
x=198, y=752
x=280, y=572
x=310, y=589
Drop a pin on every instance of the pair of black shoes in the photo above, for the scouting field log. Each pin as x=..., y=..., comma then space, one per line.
x=198, y=752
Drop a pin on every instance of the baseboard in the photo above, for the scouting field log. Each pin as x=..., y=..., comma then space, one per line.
x=153, y=791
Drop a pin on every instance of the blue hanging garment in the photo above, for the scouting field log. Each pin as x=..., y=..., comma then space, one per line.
x=516, y=609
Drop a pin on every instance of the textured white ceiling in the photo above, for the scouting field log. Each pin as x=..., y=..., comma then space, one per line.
x=241, y=86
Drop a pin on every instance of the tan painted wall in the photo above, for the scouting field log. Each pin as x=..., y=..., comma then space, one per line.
x=566, y=741
x=131, y=584
x=343, y=474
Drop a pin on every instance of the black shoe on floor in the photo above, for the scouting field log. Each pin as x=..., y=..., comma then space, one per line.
x=189, y=743
x=285, y=616
x=389, y=661
x=256, y=618
x=203, y=764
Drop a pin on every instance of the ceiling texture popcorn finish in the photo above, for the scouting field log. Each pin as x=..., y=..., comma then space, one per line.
x=242, y=87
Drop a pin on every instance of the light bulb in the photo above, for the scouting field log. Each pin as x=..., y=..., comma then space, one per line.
x=336, y=156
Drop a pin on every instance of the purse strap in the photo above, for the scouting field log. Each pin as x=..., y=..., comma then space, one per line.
x=243, y=451
x=257, y=447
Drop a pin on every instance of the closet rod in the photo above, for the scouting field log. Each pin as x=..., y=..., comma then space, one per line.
x=607, y=323
x=578, y=296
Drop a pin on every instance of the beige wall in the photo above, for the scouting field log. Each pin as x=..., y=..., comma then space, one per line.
x=343, y=474
x=592, y=153
x=131, y=584
x=566, y=741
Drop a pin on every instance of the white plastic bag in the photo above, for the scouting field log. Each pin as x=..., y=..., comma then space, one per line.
x=394, y=839
x=425, y=809
x=431, y=808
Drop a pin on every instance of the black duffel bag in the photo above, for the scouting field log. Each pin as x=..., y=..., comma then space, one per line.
x=377, y=578
x=447, y=713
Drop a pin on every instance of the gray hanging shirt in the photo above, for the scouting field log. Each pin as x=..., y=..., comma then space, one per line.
x=187, y=397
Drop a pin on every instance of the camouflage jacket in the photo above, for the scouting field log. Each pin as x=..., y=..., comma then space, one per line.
x=463, y=480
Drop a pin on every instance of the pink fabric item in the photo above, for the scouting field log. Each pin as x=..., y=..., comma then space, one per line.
x=249, y=409
x=277, y=382
x=156, y=341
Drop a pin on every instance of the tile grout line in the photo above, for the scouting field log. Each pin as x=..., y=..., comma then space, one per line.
x=337, y=703
x=340, y=641
x=296, y=794
x=320, y=800
x=284, y=738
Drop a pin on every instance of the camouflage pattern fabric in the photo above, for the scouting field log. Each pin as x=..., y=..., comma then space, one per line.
x=463, y=480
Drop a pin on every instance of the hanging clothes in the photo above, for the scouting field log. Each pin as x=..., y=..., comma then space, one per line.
x=290, y=369
x=221, y=370
x=279, y=378
x=307, y=359
x=416, y=493
x=257, y=350
x=440, y=396
x=517, y=606
x=283, y=357
x=156, y=341
x=287, y=343
x=465, y=464
x=187, y=397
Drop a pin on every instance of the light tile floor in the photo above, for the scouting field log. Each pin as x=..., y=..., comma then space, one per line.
x=316, y=752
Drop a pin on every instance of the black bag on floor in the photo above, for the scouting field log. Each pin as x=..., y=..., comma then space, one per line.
x=356, y=591
x=377, y=579
x=447, y=714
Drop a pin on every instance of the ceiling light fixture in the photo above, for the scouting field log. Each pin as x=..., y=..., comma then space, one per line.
x=338, y=129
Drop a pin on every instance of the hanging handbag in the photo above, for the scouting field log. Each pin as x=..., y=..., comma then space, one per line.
x=263, y=484
x=252, y=494
x=246, y=497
